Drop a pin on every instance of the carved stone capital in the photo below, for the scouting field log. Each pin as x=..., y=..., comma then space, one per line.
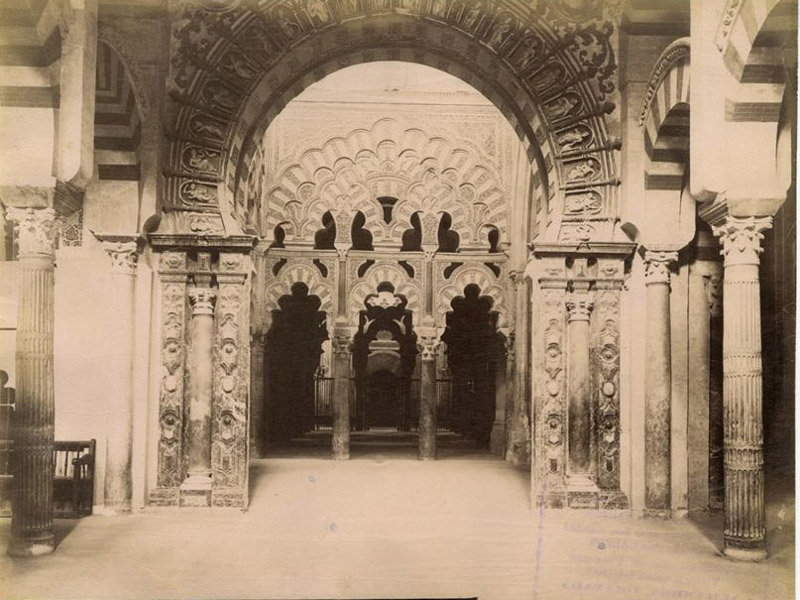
x=123, y=251
x=35, y=230
x=517, y=278
x=202, y=300
x=579, y=305
x=428, y=347
x=657, y=265
x=741, y=239
x=342, y=346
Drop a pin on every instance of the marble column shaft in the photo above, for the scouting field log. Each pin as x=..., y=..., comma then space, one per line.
x=34, y=416
x=502, y=385
x=201, y=398
x=658, y=392
x=745, y=528
x=428, y=398
x=118, y=483
x=517, y=445
x=342, y=350
x=579, y=384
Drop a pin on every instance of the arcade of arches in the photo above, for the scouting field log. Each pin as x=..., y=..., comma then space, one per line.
x=233, y=224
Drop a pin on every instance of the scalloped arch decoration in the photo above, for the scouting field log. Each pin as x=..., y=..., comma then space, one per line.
x=298, y=270
x=481, y=276
x=394, y=274
x=428, y=173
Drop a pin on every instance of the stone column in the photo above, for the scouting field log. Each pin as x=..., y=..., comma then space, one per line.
x=658, y=384
x=118, y=484
x=342, y=350
x=258, y=399
x=196, y=489
x=579, y=304
x=32, y=519
x=745, y=531
x=428, y=346
x=517, y=445
x=497, y=439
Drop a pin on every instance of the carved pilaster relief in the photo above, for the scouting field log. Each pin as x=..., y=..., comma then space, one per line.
x=550, y=409
x=231, y=383
x=171, y=397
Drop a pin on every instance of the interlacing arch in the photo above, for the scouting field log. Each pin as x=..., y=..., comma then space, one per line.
x=235, y=65
x=427, y=173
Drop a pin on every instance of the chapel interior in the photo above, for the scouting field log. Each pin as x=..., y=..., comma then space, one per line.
x=475, y=275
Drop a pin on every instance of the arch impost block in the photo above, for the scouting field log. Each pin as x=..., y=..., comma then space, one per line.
x=228, y=243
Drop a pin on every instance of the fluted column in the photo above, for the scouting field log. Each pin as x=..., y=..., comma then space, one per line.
x=428, y=346
x=579, y=384
x=34, y=418
x=658, y=389
x=745, y=530
x=342, y=350
x=118, y=484
x=198, y=482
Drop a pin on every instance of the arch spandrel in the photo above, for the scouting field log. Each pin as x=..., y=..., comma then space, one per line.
x=549, y=70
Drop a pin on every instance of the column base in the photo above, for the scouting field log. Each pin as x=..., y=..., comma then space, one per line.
x=116, y=509
x=497, y=438
x=657, y=513
x=582, y=492
x=745, y=554
x=340, y=455
x=24, y=548
x=196, y=491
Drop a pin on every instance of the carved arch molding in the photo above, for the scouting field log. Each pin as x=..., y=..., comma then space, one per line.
x=549, y=66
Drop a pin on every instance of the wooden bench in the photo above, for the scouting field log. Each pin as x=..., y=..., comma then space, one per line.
x=73, y=478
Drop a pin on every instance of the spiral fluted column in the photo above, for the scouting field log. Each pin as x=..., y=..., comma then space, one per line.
x=34, y=417
x=658, y=391
x=742, y=388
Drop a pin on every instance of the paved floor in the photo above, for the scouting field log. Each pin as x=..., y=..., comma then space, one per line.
x=388, y=526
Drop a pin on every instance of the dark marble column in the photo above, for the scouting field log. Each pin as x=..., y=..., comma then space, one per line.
x=518, y=449
x=34, y=418
x=658, y=385
x=428, y=346
x=196, y=488
x=579, y=384
x=745, y=529
x=503, y=388
x=258, y=376
x=118, y=483
x=342, y=350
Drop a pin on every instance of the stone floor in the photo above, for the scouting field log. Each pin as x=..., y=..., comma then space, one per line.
x=384, y=525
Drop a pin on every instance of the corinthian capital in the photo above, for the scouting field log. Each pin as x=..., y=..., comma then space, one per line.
x=123, y=251
x=341, y=345
x=741, y=239
x=579, y=305
x=202, y=299
x=657, y=265
x=428, y=347
x=35, y=230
